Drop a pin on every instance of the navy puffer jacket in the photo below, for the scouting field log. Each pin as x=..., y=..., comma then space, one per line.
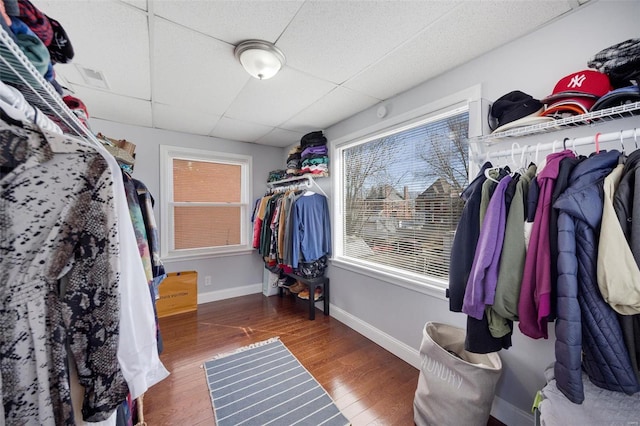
x=587, y=328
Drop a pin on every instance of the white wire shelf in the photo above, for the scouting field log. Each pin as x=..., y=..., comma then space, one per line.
x=603, y=115
x=307, y=179
x=290, y=181
x=16, y=70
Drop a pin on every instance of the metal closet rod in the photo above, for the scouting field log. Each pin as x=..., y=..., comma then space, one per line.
x=570, y=143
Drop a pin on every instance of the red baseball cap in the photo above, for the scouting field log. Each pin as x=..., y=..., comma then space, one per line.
x=585, y=83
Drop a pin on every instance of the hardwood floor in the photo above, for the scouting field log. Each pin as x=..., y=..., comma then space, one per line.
x=370, y=385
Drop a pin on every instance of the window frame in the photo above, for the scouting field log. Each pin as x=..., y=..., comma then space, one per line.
x=464, y=101
x=169, y=153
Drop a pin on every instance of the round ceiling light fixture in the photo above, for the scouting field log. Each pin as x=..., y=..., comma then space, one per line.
x=259, y=58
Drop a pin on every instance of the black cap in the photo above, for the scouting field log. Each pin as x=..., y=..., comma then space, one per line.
x=512, y=106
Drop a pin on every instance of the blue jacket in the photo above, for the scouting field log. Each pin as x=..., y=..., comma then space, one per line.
x=588, y=333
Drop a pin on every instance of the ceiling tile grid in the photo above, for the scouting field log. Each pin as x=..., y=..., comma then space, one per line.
x=185, y=120
x=334, y=40
x=170, y=64
x=274, y=101
x=231, y=20
x=229, y=128
x=329, y=109
x=280, y=138
x=452, y=41
x=117, y=108
x=194, y=71
x=108, y=36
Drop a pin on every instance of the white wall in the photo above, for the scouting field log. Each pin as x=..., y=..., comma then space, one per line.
x=231, y=275
x=394, y=315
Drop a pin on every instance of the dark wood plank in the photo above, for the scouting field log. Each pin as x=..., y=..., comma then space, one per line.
x=370, y=385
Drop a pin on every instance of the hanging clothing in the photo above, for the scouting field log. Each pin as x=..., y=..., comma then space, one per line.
x=257, y=223
x=465, y=239
x=287, y=250
x=58, y=222
x=588, y=334
x=478, y=338
x=311, y=229
x=618, y=273
x=534, y=304
x=480, y=289
x=566, y=167
x=146, y=202
x=625, y=206
x=505, y=302
x=532, y=205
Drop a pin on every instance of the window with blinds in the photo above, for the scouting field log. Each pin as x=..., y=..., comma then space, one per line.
x=206, y=208
x=401, y=196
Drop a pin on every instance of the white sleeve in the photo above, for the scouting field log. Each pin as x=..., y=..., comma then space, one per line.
x=137, y=348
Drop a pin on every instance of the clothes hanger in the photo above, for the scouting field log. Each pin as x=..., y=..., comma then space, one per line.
x=513, y=150
x=525, y=158
x=523, y=161
x=635, y=136
x=622, y=158
x=488, y=176
x=12, y=115
x=308, y=191
x=597, y=142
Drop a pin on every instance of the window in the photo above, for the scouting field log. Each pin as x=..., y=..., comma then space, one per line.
x=400, y=195
x=205, y=202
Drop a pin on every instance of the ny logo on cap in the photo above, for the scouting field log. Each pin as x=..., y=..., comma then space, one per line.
x=577, y=80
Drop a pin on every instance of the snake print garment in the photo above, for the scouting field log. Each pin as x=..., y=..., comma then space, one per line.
x=56, y=221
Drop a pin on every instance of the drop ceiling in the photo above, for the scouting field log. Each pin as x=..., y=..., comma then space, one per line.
x=169, y=64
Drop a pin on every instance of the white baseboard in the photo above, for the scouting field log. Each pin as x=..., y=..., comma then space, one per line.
x=393, y=345
x=502, y=410
x=212, y=296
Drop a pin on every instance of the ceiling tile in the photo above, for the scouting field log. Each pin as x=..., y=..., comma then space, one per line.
x=140, y=4
x=274, y=101
x=281, y=138
x=451, y=41
x=355, y=34
x=335, y=106
x=194, y=71
x=182, y=120
x=121, y=109
x=231, y=21
x=228, y=128
x=98, y=31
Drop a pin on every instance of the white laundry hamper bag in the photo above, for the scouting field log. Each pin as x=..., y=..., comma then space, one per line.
x=455, y=387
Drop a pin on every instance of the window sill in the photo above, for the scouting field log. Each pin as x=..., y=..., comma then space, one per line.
x=187, y=257
x=428, y=287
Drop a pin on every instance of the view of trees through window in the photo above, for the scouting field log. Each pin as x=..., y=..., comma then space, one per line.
x=402, y=196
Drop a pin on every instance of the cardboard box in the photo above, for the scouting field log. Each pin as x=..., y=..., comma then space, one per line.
x=178, y=294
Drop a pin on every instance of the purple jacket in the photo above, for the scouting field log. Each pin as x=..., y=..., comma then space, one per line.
x=534, y=305
x=481, y=286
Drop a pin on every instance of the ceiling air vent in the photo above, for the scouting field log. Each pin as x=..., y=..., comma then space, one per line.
x=93, y=78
